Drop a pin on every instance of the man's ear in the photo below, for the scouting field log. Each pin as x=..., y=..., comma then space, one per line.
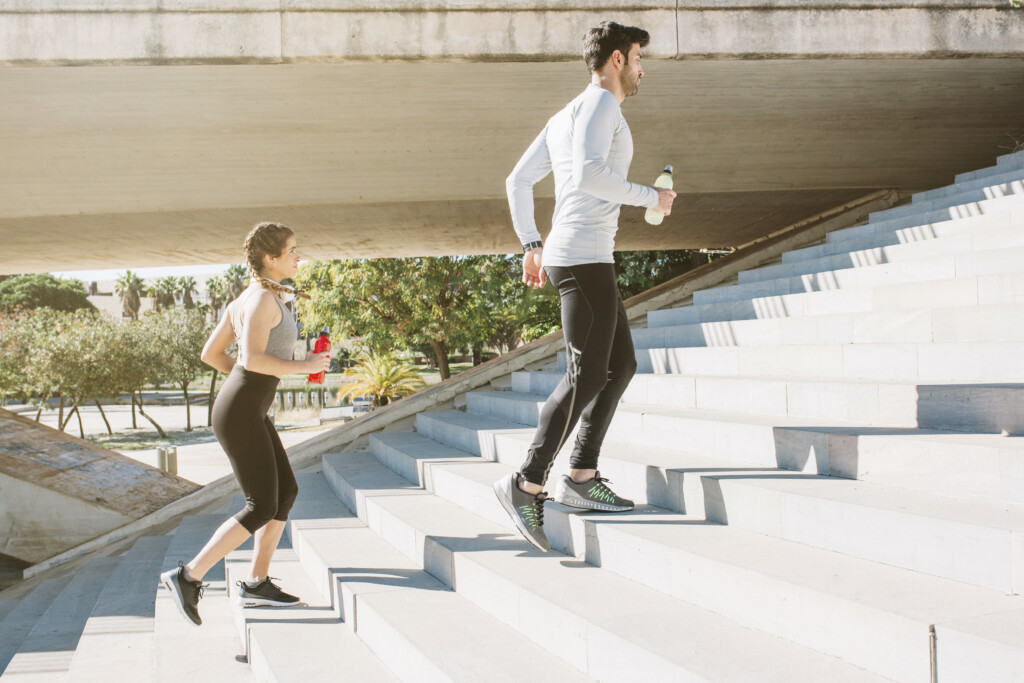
x=621, y=61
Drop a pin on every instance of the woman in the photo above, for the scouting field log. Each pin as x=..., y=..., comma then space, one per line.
x=265, y=330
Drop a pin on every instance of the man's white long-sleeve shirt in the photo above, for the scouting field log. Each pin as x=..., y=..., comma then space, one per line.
x=588, y=146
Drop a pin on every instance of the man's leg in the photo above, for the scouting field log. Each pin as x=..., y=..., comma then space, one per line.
x=598, y=414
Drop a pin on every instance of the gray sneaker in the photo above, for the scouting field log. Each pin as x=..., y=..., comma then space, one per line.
x=526, y=510
x=590, y=495
x=266, y=593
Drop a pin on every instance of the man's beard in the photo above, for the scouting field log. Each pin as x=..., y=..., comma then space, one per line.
x=630, y=83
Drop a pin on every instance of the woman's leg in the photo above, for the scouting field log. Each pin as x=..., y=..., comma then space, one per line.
x=269, y=535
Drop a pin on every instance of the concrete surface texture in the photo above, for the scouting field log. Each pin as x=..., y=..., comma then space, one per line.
x=827, y=489
x=157, y=133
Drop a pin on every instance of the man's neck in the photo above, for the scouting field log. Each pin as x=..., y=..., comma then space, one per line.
x=609, y=80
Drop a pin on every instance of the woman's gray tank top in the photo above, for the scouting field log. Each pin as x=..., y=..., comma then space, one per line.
x=280, y=343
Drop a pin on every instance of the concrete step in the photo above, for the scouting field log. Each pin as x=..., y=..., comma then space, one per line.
x=183, y=651
x=924, y=219
x=1003, y=163
x=407, y=617
x=45, y=654
x=965, y=408
x=982, y=290
x=117, y=642
x=974, y=541
x=979, y=190
x=608, y=626
x=997, y=232
x=1001, y=174
x=923, y=270
x=998, y=322
x=779, y=586
x=994, y=639
x=924, y=363
x=24, y=614
x=307, y=642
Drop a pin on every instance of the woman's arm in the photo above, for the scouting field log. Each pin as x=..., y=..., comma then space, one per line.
x=215, y=350
x=261, y=315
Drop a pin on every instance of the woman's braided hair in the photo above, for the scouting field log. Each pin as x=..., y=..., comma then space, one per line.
x=267, y=239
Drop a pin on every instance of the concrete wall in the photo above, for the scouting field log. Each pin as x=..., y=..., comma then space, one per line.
x=240, y=31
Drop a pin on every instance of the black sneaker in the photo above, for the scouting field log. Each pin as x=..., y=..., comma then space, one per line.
x=526, y=510
x=590, y=495
x=186, y=593
x=262, y=594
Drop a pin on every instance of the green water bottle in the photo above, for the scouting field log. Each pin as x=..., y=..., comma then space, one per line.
x=664, y=181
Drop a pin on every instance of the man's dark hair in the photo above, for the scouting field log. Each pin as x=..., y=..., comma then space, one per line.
x=607, y=37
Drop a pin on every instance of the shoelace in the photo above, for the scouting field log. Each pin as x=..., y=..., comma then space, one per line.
x=602, y=490
x=534, y=511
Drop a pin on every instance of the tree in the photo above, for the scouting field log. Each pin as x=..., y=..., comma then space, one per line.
x=129, y=288
x=164, y=292
x=42, y=290
x=395, y=303
x=185, y=333
x=187, y=287
x=508, y=313
x=139, y=361
x=383, y=376
x=237, y=278
x=638, y=271
x=218, y=292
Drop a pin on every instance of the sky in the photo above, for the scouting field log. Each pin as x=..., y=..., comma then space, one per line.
x=200, y=273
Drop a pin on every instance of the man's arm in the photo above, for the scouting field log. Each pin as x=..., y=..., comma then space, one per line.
x=592, y=141
x=534, y=165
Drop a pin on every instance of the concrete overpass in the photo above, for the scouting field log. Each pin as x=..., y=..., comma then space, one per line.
x=152, y=132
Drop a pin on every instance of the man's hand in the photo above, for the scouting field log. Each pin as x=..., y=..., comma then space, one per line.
x=665, y=198
x=533, y=272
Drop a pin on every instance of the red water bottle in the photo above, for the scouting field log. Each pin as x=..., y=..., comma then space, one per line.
x=322, y=344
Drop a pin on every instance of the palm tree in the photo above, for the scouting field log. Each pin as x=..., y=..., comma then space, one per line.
x=163, y=291
x=217, y=291
x=187, y=287
x=383, y=376
x=237, y=278
x=129, y=287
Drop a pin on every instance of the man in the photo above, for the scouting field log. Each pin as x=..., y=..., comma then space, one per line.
x=588, y=146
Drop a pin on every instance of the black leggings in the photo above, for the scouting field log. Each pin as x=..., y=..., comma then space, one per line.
x=600, y=361
x=248, y=437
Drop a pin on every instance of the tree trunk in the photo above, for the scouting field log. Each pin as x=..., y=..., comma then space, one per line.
x=441, y=355
x=209, y=410
x=135, y=425
x=110, y=432
x=81, y=430
x=60, y=414
x=478, y=354
x=188, y=409
x=42, y=404
x=142, y=412
x=67, y=420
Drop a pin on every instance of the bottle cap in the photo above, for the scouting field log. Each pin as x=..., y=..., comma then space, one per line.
x=668, y=169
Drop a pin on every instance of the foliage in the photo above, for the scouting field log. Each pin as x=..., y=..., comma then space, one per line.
x=237, y=279
x=164, y=292
x=187, y=287
x=638, y=271
x=508, y=313
x=42, y=290
x=218, y=291
x=129, y=288
x=183, y=332
x=394, y=303
x=383, y=376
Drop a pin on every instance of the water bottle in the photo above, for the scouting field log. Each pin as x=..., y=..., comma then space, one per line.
x=664, y=181
x=322, y=344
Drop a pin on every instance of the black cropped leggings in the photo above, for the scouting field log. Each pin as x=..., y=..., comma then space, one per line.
x=257, y=456
x=600, y=361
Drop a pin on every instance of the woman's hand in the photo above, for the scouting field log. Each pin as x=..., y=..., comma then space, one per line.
x=317, y=362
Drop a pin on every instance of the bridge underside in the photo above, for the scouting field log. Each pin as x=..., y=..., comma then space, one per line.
x=112, y=165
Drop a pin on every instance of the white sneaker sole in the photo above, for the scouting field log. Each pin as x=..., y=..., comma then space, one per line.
x=499, y=491
x=584, y=504
x=261, y=602
x=171, y=585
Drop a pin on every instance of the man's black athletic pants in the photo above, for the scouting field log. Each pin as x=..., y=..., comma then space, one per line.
x=600, y=361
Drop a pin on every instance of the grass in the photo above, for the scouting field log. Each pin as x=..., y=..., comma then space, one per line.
x=144, y=439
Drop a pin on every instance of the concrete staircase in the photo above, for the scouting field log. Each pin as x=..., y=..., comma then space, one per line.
x=830, y=487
